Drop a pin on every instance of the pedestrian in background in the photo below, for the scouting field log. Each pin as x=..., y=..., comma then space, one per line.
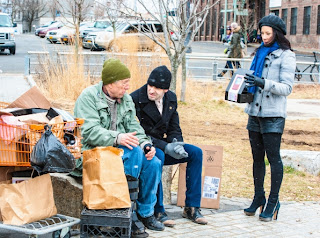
x=272, y=81
x=234, y=48
x=221, y=33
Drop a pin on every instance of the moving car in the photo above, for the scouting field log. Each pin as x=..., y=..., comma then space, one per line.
x=7, y=39
x=130, y=34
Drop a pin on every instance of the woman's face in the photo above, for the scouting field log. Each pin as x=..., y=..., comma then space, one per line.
x=267, y=34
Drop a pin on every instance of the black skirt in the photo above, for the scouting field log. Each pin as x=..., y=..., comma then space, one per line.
x=266, y=124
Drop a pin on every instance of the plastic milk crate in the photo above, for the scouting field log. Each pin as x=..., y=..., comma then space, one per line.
x=106, y=223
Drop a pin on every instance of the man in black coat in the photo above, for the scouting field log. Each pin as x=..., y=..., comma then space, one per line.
x=156, y=108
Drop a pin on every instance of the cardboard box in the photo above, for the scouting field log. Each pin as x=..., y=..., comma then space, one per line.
x=211, y=177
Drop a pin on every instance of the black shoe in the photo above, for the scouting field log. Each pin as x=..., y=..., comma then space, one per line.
x=151, y=223
x=220, y=75
x=139, y=233
x=271, y=211
x=258, y=201
x=164, y=219
x=193, y=213
x=137, y=228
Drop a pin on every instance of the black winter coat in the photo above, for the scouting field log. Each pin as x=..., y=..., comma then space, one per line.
x=162, y=129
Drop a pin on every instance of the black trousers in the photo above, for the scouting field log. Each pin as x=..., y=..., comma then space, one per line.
x=269, y=144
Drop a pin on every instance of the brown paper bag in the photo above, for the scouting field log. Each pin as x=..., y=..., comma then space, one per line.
x=104, y=182
x=27, y=201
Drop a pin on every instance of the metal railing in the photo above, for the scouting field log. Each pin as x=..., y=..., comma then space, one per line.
x=93, y=62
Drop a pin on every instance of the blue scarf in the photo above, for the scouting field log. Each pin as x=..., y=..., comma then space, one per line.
x=257, y=64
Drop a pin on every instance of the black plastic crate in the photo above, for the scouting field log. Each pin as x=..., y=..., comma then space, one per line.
x=106, y=223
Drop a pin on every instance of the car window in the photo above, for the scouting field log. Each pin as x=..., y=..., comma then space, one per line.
x=146, y=28
x=131, y=29
x=158, y=27
x=102, y=24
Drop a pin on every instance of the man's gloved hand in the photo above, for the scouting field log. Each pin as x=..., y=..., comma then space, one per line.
x=253, y=80
x=175, y=149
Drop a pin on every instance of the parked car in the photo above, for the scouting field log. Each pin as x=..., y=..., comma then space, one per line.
x=98, y=25
x=63, y=35
x=128, y=33
x=89, y=41
x=36, y=32
x=57, y=25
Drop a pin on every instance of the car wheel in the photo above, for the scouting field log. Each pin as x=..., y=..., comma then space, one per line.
x=13, y=50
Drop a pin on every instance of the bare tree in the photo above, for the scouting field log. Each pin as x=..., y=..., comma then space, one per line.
x=78, y=11
x=31, y=10
x=53, y=8
x=182, y=20
x=113, y=14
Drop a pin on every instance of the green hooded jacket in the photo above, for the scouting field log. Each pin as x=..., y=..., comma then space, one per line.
x=92, y=106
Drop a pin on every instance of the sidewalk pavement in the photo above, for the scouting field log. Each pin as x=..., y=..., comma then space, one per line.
x=296, y=219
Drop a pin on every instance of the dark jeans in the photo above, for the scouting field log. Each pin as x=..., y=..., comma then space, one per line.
x=261, y=144
x=230, y=65
x=193, y=176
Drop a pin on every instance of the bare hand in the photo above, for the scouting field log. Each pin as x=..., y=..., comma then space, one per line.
x=129, y=140
x=151, y=153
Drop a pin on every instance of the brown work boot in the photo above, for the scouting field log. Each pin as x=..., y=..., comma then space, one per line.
x=193, y=213
x=164, y=219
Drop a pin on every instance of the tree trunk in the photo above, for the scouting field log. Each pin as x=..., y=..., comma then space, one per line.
x=174, y=73
x=184, y=79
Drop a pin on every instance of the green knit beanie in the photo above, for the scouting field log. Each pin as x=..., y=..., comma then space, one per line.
x=114, y=70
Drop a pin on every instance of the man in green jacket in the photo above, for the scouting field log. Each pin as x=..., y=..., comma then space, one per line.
x=110, y=120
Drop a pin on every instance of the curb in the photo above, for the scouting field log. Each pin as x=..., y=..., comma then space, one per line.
x=30, y=81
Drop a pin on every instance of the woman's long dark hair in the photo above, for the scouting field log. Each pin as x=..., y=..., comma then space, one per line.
x=279, y=37
x=283, y=42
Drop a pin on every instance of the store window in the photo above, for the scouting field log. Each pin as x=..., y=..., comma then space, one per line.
x=306, y=20
x=284, y=16
x=294, y=16
x=318, y=21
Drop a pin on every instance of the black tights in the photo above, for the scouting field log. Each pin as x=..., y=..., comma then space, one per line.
x=268, y=143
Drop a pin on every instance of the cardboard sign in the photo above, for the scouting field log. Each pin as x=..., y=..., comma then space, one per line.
x=211, y=177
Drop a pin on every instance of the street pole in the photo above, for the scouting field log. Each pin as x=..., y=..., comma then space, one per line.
x=225, y=18
x=234, y=10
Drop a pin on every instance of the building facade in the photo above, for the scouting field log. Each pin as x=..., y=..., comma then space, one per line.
x=302, y=19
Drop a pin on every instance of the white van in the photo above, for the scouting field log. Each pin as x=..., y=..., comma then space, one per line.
x=7, y=40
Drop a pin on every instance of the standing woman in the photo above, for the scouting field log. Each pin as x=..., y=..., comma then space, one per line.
x=274, y=68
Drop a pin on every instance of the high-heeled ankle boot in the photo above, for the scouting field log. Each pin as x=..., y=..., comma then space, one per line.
x=258, y=201
x=271, y=211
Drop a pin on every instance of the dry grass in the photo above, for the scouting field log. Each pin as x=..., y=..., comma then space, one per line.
x=207, y=119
